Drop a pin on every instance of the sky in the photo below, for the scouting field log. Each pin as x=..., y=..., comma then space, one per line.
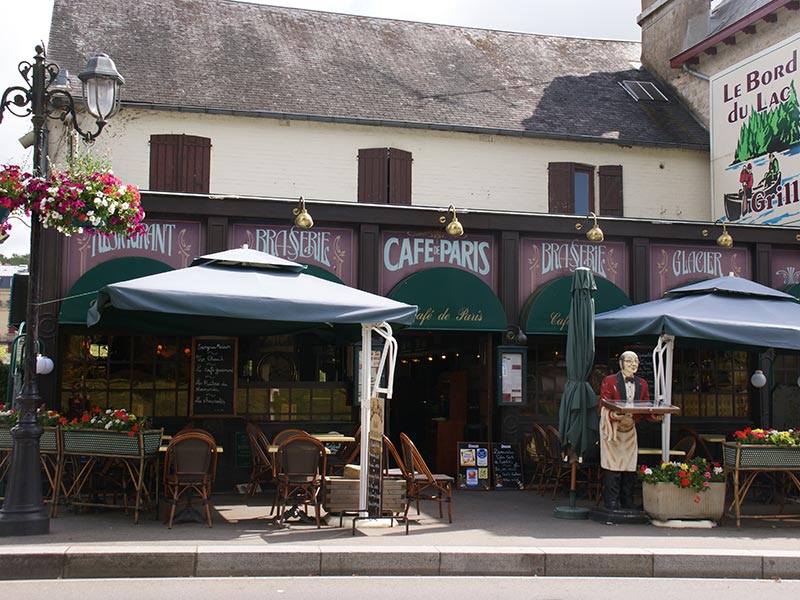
x=604, y=19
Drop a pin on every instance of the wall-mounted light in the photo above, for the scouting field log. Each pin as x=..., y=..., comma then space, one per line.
x=302, y=219
x=595, y=234
x=758, y=379
x=454, y=227
x=44, y=364
x=724, y=240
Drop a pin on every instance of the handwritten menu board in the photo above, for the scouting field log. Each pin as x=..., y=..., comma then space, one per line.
x=214, y=375
x=473, y=466
x=507, y=467
x=374, y=455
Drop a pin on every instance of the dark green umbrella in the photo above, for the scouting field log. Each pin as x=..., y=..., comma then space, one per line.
x=577, y=415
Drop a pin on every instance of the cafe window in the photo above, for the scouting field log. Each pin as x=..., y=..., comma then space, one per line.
x=293, y=378
x=571, y=189
x=711, y=383
x=147, y=375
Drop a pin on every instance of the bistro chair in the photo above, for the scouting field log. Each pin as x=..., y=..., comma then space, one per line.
x=701, y=448
x=687, y=444
x=262, y=470
x=346, y=454
x=190, y=466
x=422, y=483
x=301, y=470
x=539, y=439
x=558, y=469
x=285, y=434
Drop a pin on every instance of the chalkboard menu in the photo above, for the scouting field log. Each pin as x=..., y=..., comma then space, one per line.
x=507, y=467
x=473, y=466
x=374, y=456
x=214, y=376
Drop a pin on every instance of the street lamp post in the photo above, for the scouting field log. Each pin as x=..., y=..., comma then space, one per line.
x=23, y=511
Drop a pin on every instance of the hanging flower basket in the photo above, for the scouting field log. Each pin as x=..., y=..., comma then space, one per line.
x=72, y=202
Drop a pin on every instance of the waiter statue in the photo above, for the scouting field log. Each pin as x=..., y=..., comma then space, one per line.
x=618, y=444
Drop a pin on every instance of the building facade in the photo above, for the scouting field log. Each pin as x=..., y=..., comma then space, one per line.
x=389, y=130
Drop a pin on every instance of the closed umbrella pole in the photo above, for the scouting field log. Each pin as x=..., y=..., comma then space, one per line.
x=577, y=414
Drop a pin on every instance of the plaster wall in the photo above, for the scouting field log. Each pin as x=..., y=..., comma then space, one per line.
x=286, y=159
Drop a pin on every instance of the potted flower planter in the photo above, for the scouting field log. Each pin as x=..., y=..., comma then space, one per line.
x=47, y=443
x=98, y=442
x=664, y=501
x=760, y=456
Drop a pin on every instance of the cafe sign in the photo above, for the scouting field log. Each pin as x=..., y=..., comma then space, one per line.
x=785, y=268
x=755, y=137
x=545, y=259
x=329, y=248
x=174, y=243
x=673, y=265
x=405, y=253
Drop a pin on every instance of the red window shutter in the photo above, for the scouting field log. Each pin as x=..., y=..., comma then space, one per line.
x=373, y=175
x=196, y=164
x=164, y=152
x=611, y=190
x=399, y=177
x=180, y=163
x=561, y=193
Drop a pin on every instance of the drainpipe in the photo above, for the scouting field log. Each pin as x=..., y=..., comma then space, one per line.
x=695, y=73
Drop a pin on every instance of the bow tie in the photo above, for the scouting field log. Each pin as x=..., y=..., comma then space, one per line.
x=630, y=380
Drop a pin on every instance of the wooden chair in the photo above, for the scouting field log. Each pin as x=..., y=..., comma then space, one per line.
x=301, y=470
x=688, y=444
x=285, y=434
x=539, y=438
x=390, y=452
x=348, y=453
x=558, y=469
x=190, y=466
x=262, y=470
x=701, y=448
x=422, y=483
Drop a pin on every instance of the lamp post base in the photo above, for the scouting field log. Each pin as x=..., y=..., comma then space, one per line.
x=23, y=524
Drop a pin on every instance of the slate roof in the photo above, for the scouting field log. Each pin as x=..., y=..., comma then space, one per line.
x=220, y=55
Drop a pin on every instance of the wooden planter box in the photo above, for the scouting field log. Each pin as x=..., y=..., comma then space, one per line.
x=664, y=501
x=760, y=456
x=97, y=442
x=341, y=495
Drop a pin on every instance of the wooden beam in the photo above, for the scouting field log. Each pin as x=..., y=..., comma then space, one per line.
x=730, y=41
x=711, y=50
x=750, y=29
x=771, y=18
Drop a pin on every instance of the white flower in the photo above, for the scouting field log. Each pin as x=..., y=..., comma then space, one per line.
x=648, y=471
x=717, y=470
x=108, y=425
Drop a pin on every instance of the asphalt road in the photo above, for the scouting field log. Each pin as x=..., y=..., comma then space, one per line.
x=400, y=588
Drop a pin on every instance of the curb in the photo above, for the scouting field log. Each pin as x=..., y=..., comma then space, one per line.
x=69, y=562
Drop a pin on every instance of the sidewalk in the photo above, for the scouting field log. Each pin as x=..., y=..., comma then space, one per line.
x=493, y=533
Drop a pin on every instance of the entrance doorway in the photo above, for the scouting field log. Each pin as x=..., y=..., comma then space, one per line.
x=441, y=393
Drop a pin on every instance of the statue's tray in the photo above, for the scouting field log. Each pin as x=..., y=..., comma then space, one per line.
x=641, y=408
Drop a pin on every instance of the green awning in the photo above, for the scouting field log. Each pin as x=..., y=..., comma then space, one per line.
x=792, y=288
x=84, y=290
x=546, y=312
x=451, y=299
x=318, y=271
